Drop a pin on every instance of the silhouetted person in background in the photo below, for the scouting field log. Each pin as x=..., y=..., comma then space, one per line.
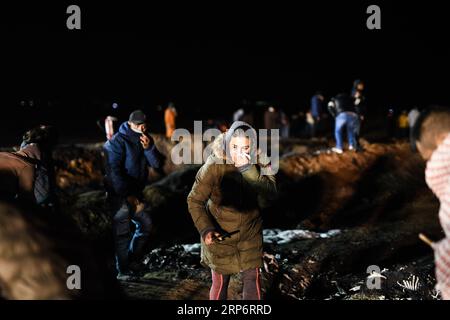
x=343, y=109
x=285, y=125
x=238, y=114
x=403, y=125
x=316, y=111
x=360, y=107
x=358, y=88
x=359, y=98
x=310, y=125
x=412, y=118
x=272, y=118
x=170, y=115
x=244, y=114
x=109, y=126
x=298, y=125
x=390, y=122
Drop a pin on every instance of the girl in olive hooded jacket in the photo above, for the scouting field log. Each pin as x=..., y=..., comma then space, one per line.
x=226, y=198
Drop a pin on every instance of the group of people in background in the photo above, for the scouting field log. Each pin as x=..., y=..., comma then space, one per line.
x=342, y=115
x=348, y=110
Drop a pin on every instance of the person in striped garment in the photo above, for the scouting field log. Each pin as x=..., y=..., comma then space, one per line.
x=432, y=138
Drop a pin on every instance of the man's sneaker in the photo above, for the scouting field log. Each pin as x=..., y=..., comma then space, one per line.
x=356, y=149
x=337, y=150
x=126, y=276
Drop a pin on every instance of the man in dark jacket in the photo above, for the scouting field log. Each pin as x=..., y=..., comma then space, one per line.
x=343, y=109
x=129, y=153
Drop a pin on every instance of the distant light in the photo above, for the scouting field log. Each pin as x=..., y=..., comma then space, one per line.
x=115, y=105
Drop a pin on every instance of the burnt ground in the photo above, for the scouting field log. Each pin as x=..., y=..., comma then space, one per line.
x=377, y=198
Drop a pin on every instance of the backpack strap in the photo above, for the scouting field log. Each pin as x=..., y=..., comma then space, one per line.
x=41, y=182
x=29, y=160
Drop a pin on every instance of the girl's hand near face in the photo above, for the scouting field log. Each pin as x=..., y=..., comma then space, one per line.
x=240, y=151
x=209, y=238
x=241, y=159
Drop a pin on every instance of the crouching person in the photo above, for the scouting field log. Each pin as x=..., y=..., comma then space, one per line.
x=28, y=174
x=129, y=153
x=345, y=112
x=225, y=203
x=432, y=137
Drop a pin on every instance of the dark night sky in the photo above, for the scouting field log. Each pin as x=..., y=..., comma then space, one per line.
x=209, y=57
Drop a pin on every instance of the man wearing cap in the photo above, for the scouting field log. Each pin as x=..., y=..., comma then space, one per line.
x=129, y=153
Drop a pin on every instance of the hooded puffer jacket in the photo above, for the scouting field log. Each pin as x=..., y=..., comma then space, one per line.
x=226, y=199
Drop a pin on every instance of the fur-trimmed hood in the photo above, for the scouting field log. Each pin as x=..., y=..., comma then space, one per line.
x=217, y=149
x=218, y=146
x=225, y=200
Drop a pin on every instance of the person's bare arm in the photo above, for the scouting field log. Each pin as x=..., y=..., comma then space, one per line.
x=25, y=178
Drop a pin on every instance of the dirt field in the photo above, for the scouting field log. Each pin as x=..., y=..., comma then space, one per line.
x=377, y=199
